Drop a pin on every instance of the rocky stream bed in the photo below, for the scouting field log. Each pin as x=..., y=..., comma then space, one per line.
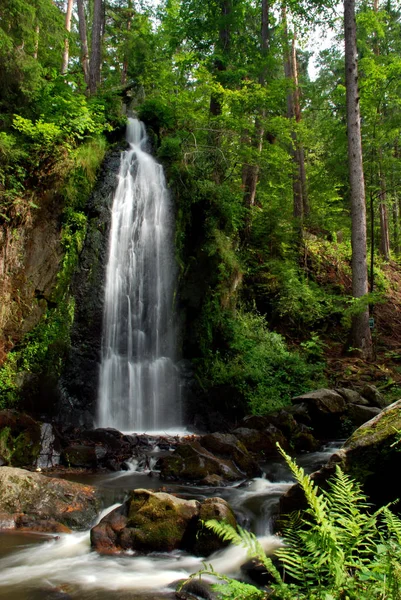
x=102, y=514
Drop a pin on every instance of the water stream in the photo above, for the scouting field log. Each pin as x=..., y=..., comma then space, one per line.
x=139, y=384
x=33, y=567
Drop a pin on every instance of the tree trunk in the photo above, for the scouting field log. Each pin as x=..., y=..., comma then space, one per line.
x=384, y=228
x=124, y=73
x=84, y=40
x=298, y=118
x=250, y=172
x=68, y=14
x=296, y=176
x=95, y=59
x=361, y=335
x=36, y=46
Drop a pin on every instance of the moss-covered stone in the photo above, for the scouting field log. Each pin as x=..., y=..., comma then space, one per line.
x=155, y=521
x=19, y=439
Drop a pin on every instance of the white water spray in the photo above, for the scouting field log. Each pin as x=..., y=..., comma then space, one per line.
x=139, y=383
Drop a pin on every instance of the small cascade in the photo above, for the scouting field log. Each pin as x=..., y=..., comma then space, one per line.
x=139, y=386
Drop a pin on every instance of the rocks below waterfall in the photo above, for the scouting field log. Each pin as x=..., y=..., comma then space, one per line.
x=371, y=456
x=159, y=522
x=36, y=502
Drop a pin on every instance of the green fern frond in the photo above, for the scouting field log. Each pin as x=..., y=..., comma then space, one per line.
x=244, y=538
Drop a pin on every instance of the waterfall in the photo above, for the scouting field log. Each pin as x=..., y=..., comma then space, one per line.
x=139, y=384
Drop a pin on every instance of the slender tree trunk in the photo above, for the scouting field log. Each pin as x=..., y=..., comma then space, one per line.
x=84, y=40
x=296, y=177
x=95, y=59
x=250, y=172
x=298, y=118
x=396, y=226
x=361, y=335
x=36, y=46
x=124, y=72
x=384, y=227
x=68, y=14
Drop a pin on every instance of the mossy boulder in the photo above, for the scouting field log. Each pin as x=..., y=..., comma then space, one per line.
x=262, y=442
x=34, y=497
x=206, y=541
x=228, y=446
x=159, y=522
x=192, y=462
x=20, y=439
x=372, y=456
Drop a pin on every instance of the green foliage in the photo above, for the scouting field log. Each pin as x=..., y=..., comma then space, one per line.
x=259, y=366
x=334, y=550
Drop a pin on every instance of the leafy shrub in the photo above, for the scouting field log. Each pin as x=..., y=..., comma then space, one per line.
x=259, y=366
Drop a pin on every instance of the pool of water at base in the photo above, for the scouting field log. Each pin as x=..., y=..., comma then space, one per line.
x=62, y=567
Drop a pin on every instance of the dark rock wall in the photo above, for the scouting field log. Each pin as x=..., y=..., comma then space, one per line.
x=78, y=384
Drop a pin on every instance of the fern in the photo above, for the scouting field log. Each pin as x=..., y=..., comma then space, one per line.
x=248, y=540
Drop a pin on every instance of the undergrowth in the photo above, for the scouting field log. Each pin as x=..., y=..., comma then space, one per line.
x=335, y=550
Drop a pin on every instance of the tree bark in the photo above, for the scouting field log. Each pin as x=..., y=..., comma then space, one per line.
x=124, y=73
x=361, y=335
x=84, y=40
x=95, y=59
x=36, y=47
x=298, y=210
x=68, y=14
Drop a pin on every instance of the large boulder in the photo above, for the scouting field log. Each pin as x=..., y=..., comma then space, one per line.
x=228, y=446
x=20, y=439
x=261, y=442
x=192, y=462
x=37, y=498
x=326, y=408
x=371, y=455
x=159, y=522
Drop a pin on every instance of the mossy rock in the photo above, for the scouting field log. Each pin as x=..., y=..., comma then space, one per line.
x=20, y=439
x=159, y=522
x=192, y=462
x=206, y=541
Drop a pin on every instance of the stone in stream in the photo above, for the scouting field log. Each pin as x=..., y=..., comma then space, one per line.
x=192, y=462
x=30, y=498
x=160, y=522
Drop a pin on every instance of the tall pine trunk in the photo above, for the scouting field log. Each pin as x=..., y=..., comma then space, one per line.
x=68, y=14
x=96, y=53
x=361, y=335
x=84, y=40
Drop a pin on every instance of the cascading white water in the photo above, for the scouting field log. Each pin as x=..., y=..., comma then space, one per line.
x=139, y=383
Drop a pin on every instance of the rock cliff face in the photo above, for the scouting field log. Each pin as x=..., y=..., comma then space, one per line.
x=30, y=254
x=79, y=382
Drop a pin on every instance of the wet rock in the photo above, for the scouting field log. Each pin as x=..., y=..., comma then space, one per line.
x=372, y=394
x=303, y=440
x=192, y=462
x=20, y=438
x=30, y=523
x=352, y=397
x=195, y=589
x=371, y=456
x=159, y=522
x=360, y=414
x=325, y=407
x=88, y=457
x=255, y=422
x=261, y=441
x=285, y=422
x=227, y=446
x=40, y=497
x=207, y=542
